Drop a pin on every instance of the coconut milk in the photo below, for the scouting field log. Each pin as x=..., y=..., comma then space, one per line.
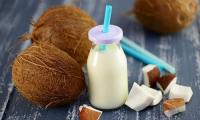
x=108, y=77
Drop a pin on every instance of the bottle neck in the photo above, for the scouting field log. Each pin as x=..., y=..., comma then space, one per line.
x=105, y=47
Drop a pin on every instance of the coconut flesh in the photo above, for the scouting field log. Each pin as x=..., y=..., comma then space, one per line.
x=47, y=76
x=66, y=27
x=49, y=72
x=165, y=16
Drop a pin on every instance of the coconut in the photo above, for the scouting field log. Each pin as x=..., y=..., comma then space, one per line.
x=173, y=106
x=138, y=98
x=151, y=75
x=88, y=113
x=65, y=27
x=156, y=94
x=165, y=16
x=47, y=76
x=166, y=82
x=180, y=91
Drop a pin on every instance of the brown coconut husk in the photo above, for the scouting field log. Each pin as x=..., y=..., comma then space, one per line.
x=165, y=16
x=65, y=27
x=47, y=76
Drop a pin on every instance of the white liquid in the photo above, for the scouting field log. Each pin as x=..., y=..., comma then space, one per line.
x=108, y=77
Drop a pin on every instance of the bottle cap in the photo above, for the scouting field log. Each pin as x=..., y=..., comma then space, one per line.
x=97, y=36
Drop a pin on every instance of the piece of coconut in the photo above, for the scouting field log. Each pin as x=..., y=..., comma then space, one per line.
x=157, y=94
x=166, y=82
x=89, y=113
x=173, y=106
x=138, y=98
x=151, y=75
x=180, y=91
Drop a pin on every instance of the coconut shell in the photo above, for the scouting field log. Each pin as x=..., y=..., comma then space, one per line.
x=65, y=27
x=165, y=16
x=47, y=76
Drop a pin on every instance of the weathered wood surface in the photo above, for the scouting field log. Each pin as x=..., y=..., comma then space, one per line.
x=181, y=50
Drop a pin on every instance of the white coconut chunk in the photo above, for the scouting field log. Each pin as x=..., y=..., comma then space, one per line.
x=157, y=94
x=172, y=112
x=173, y=106
x=138, y=98
x=180, y=91
x=87, y=112
x=151, y=75
x=89, y=107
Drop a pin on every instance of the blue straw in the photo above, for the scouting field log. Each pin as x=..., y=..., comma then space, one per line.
x=140, y=57
x=140, y=53
x=107, y=18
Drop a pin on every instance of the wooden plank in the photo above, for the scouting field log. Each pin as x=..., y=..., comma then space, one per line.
x=11, y=26
x=181, y=50
x=15, y=20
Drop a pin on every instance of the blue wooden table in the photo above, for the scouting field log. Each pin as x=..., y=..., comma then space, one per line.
x=181, y=49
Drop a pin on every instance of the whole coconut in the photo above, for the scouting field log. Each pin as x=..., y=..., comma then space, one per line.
x=65, y=27
x=47, y=76
x=165, y=16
